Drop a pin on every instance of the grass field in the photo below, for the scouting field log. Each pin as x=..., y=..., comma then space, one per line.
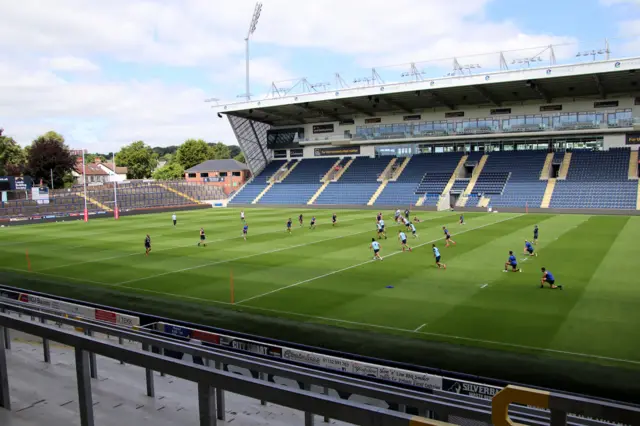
x=326, y=276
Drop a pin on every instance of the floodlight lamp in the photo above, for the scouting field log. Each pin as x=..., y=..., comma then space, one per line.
x=578, y=54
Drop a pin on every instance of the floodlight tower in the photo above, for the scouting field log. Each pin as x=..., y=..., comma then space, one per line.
x=252, y=29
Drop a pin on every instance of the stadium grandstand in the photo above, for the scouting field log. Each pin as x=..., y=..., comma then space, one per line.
x=562, y=137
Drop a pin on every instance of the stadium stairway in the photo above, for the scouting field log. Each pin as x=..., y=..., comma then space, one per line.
x=179, y=193
x=633, y=165
x=455, y=173
x=261, y=194
x=357, y=184
x=387, y=174
x=546, y=169
x=399, y=170
x=300, y=185
x=388, y=171
x=329, y=175
x=484, y=201
x=338, y=175
x=95, y=202
x=318, y=192
x=548, y=193
x=285, y=171
x=462, y=201
x=564, y=167
x=257, y=184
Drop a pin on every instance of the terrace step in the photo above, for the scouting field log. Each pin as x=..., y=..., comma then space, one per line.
x=400, y=169
x=328, y=176
x=564, y=167
x=462, y=201
x=633, y=165
x=548, y=194
x=264, y=191
x=455, y=174
x=181, y=194
x=338, y=175
x=387, y=171
x=95, y=202
x=285, y=173
x=376, y=194
x=318, y=193
x=546, y=169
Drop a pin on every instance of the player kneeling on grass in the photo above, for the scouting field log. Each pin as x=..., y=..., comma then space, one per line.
x=403, y=240
x=513, y=262
x=147, y=245
x=528, y=248
x=547, y=277
x=375, y=246
x=436, y=255
x=203, y=238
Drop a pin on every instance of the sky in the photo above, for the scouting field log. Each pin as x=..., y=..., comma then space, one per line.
x=106, y=73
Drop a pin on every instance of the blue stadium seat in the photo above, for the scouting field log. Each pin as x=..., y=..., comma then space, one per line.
x=358, y=183
x=301, y=184
x=258, y=184
x=598, y=180
x=405, y=190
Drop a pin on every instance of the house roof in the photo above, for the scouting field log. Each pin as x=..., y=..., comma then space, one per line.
x=92, y=169
x=218, y=166
x=119, y=170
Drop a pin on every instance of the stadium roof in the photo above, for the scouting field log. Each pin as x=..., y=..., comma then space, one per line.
x=218, y=166
x=600, y=79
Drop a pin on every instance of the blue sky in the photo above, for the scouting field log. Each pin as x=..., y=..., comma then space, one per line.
x=108, y=73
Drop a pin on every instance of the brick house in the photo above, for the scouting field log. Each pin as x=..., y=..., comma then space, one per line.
x=230, y=175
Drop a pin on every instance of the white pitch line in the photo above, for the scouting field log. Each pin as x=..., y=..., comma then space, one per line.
x=419, y=328
x=166, y=249
x=241, y=257
x=484, y=285
x=363, y=324
x=364, y=263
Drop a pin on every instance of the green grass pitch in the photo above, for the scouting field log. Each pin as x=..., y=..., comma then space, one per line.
x=327, y=276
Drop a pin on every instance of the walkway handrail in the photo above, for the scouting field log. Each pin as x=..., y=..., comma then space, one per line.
x=560, y=405
x=206, y=378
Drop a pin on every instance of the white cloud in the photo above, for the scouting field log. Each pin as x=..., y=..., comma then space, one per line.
x=40, y=39
x=71, y=64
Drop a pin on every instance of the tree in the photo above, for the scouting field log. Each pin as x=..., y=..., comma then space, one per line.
x=49, y=153
x=139, y=159
x=12, y=157
x=240, y=158
x=193, y=152
x=234, y=151
x=220, y=151
x=173, y=171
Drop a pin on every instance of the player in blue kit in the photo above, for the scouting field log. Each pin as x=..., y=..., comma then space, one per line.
x=375, y=246
x=289, y=226
x=513, y=262
x=547, y=277
x=461, y=219
x=528, y=248
x=447, y=237
x=535, y=234
x=436, y=255
x=147, y=245
x=245, y=230
x=403, y=240
x=312, y=225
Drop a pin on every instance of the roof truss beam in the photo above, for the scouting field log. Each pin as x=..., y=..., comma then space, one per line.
x=544, y=94
x=487, y=95
x=280, y=116
x=354, y=107
x=396, y=104
x=601, y=89
x=322, y=112
x=438, y=97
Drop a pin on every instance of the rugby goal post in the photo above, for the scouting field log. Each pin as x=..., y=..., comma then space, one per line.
x=444, y=203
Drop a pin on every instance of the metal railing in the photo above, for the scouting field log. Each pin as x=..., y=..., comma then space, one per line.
x=214, y=381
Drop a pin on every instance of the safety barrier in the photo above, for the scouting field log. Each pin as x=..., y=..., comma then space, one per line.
x=428, y=402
